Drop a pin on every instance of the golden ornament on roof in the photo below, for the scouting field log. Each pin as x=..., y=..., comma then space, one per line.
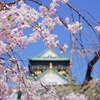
x=38, y=72
x=50, y=65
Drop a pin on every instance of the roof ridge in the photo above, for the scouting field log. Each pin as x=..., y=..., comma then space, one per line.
x=47, y=51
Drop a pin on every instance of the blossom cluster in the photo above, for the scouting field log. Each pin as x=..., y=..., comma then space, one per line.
x=76, y=96
x=74, y=27
x=17, y=18
x=13, y=22
x=51, y=94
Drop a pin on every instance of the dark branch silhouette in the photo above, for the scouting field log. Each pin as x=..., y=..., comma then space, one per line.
x=90, y=66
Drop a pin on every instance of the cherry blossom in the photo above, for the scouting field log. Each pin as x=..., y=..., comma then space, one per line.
x=76, y=96
x=97, y=28
x=74, y=27
x=16, y=19
x=63, y=48
x=43, y=10
x=64, y=1
x=57, y=21
x=13, y=22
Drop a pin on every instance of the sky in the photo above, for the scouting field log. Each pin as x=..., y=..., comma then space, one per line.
x=34, y=49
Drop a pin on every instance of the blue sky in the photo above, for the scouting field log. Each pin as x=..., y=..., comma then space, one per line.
x=79, y=67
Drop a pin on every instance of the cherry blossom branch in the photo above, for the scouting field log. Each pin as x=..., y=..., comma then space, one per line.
x=77, y=11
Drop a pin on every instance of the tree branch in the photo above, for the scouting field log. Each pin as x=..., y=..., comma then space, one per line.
x=90, y=66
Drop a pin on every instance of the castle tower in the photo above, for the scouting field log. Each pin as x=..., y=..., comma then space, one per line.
x=50, y=64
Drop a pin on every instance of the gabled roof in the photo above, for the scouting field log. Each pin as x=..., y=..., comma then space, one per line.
x=53, y=71
x=49, y=54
